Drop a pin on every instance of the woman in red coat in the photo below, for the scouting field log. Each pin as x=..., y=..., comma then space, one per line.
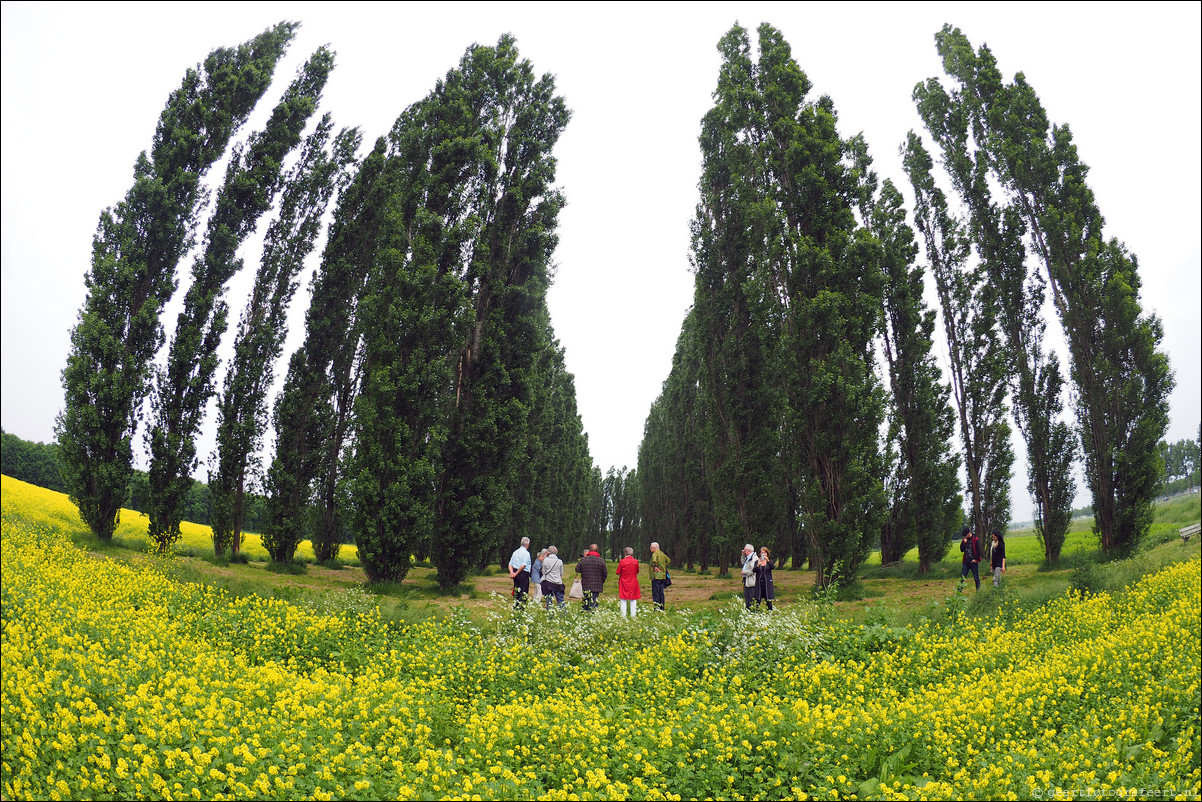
x=628, y=584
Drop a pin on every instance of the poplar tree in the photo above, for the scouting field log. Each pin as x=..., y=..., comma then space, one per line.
x=830, y=288
x=623, y=521
x=1121, y=376
x=789, y=289
x=242, y=407
x=413, y=312
x=438, y=285
x=518, y=119
x=612, y=488
x=628, y=530
x=553, y=491
x=661, y=511
x=925, y=497
x=956, y=121
x=732, y=306
x=313, y=412
x=673, y=491
x=137, y=245
x=400, y=413
x=183, y=389
x=978, y=362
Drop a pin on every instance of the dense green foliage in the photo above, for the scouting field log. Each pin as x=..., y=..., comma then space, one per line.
x=137, y=246
x=978, y=359
x=242, y=408
x=36, y=463
x=922, y=482
x=182, y=391
x=956, y=121
x=675, y=507
x=1121, y=376
x=312, y=413
x=412, y=313
x=734, y=307
x=831, y=280
x=556, y=481
x=507, y=269
x=429, y=410
x=786, y=312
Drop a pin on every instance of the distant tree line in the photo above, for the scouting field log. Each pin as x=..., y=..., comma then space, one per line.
x=38, y=464
x=1181, y=465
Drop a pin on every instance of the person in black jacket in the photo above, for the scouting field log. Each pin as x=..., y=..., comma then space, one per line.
x=997, y=558
x=970, y=544
x=763, y=577
x=592, y=572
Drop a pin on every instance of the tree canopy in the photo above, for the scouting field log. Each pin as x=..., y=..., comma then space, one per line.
x=137, y=245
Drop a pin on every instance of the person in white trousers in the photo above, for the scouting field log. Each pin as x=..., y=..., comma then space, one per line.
x=629, y=592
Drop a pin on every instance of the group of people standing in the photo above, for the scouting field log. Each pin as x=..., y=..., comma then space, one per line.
x=545, y=572
x=970, y=544
x=756, y=571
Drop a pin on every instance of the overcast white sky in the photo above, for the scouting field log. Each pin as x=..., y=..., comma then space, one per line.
x=83, y=86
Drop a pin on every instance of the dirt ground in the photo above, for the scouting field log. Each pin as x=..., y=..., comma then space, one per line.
x=689, y=590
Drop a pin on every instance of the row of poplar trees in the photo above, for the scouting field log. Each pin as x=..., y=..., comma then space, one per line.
x=805, y=409
x=428, y=413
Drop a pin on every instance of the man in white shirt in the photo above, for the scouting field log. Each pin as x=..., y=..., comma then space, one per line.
x=519, y=572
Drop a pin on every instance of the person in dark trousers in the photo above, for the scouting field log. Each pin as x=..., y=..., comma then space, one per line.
x=592, y=572
x=997, y=558
x=553, y=579
x=519, y=572
x=970, y=544
x=536, y=575
x=659, y=575
x=763, y=577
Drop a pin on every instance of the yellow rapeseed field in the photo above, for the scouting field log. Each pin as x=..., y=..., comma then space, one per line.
x=119, y=682
x=132, y=527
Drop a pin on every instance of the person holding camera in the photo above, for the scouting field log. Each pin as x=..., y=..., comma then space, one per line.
x=750, y=588
x=970, y=544
x=765, y=590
